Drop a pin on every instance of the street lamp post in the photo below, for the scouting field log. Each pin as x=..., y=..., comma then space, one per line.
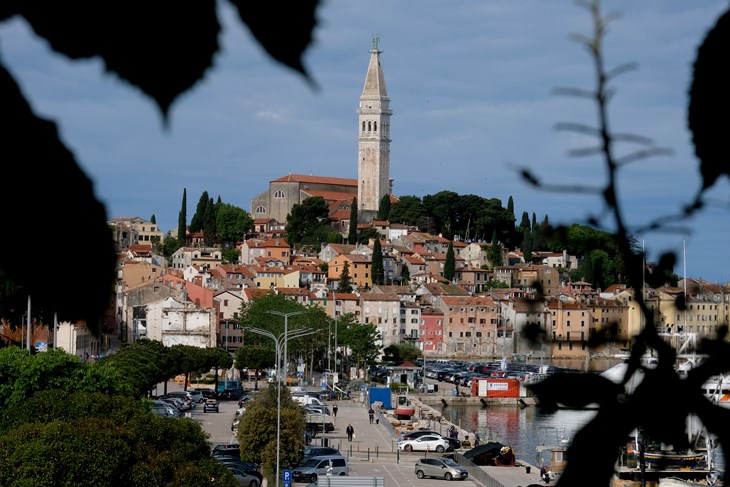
x=286, y=327
x=280, y=342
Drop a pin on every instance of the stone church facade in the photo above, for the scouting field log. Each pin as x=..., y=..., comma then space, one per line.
x=373, y=181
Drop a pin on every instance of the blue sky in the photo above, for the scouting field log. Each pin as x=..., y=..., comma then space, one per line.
x=471, y=85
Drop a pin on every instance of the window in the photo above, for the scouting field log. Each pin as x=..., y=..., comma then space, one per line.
x=279, y=194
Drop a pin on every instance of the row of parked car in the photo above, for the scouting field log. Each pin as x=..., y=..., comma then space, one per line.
x=229, y=455
x=463, y=373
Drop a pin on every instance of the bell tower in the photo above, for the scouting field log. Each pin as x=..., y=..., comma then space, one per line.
x=373, y=163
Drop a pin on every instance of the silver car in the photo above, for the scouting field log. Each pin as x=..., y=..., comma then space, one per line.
x=441, y=467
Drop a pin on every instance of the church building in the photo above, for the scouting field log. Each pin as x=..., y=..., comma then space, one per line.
x=373, y=164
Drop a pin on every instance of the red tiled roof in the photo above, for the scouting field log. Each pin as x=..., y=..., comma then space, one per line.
x=301, y=178
x=328, y=195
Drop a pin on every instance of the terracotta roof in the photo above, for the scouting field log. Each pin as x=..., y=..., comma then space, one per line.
x=301, y=178
x=292, y=291
x=328, y=195
x=340, y=215
x=254, y=292
x=379, y=297
x=346, y=296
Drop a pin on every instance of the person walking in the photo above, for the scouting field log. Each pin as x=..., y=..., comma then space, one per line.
x=477, y=439
x=334, y=410
x=350, y=432
x=371, y=414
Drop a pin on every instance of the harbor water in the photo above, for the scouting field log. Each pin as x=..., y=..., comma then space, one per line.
x=524, y=429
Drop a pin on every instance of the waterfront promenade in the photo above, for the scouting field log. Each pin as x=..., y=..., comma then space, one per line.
x=373, y=451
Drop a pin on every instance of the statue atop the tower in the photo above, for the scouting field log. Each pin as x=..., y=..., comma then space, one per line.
x=376, y=39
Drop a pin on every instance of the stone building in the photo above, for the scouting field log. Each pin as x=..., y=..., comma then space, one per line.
x=373, y=181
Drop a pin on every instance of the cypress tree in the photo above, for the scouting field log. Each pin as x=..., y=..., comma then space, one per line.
x=345, y=285
x=450, y=263
x=378, y=271
x=196, y=222
x=527, y=245
x=352, y=233
x=405, y=274
x=153, y=219
x=384, y=208
x=182, y=219
x=209, y=232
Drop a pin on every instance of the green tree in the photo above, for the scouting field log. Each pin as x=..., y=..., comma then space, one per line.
x=384, y=208
x=255, y=357
x=368, y=234
x=450, y=263
x=308, y=223
x=335, y=238
x=527, y=245
x=401, y=352
x=352, y=227
x=153, y=219
x=495, y=252
x=232, y=224
x=209, y=225
x=196, y=223
x=168, y=247
x=42, y=442
x=361, y=339
x=443, y=207
x=182, y=219
x=230, y=256
x=377, y=269
x=407, y=210
x=258, y=427
x=345, y=284
x=405, y=274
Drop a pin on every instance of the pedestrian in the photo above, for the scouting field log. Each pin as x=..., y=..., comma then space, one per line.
x=350, y=432
x=454, y=433
x=477, y=439
x=371, y=414
x=544, y=475
x=334, y=410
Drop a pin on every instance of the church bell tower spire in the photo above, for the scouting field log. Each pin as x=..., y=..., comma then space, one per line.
x=373, y=165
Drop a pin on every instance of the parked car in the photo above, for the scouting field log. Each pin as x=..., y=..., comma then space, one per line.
x=412, y=435
x=314, y=467
x=318, y=451
x=197, y=395
x=237, y=462
x=245, y=478
x=211, y=405
x=226, y=449
x=207, y=392
x=185, y=395
x=176, y=402
x=435, y=443
x=444, y=468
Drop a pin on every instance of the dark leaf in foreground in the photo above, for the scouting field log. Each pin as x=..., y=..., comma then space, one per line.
x=284, y=31
x=47, y=192
x=709, y=103
x=577, y=390
x=161, y=47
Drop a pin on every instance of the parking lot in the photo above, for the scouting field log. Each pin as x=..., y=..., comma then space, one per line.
x=371, y=454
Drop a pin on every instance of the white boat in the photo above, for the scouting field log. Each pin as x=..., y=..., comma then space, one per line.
x=712, y=479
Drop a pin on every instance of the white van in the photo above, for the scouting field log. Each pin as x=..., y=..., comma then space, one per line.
x=306, y=400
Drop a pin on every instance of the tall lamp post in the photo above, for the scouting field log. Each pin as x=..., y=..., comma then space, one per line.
x=280, y=342
x=286, y=328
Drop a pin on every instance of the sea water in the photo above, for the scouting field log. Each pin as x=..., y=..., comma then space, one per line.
x=523, y=429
